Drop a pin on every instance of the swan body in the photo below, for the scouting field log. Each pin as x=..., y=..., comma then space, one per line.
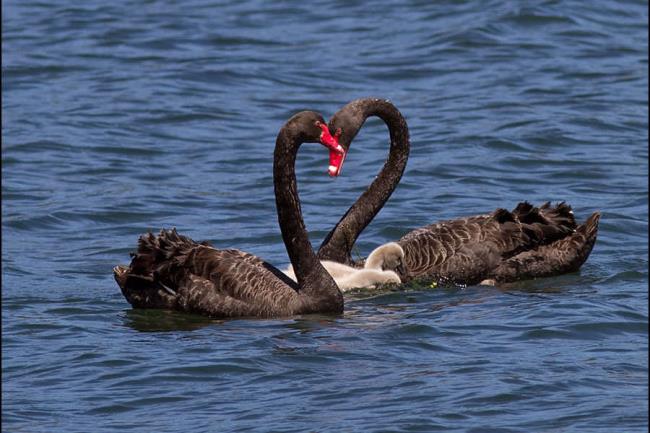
x=502, y=246
x=172, y=271
x=379, y=269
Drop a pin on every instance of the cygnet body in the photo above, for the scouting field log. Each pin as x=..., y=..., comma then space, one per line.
x=378, y=269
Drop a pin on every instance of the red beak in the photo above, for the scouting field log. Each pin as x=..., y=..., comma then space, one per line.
x=337, y=152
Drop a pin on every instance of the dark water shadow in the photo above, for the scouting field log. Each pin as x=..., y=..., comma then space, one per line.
x=550, y=285
x=150, y=320
x=360, y=302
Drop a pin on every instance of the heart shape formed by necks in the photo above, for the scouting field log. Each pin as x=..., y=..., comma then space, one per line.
x=337, y=152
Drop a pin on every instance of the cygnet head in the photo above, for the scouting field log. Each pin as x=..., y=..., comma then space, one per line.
x=387, y=257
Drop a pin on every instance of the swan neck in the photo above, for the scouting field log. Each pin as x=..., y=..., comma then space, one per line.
x=373, y=261
x=338, y=244
x=294, y=234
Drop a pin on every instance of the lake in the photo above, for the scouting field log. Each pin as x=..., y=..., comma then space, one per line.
x=126, y=117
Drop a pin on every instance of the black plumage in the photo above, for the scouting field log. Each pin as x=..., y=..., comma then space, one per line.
x=527, y=242
x=172, y=271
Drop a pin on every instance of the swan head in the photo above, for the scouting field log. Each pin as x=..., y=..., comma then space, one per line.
x=387, y=257
x=337, y=152
x=310, y=127
x=345, y=125
x=307, y=126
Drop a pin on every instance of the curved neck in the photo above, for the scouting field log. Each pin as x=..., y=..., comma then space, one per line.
x=305, y=263
x=338, y=244
x=373, y=261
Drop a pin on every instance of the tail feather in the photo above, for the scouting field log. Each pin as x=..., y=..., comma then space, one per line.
x=523, y=208
x=157, y=266
x=504, y=216
x=120, y=272
x=166, y=245
x=562, y=256
x=590, y=227
x=153, y=251
x=561, y=214
x=545, y=224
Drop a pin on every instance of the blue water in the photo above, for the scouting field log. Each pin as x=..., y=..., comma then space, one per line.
x=122, y=117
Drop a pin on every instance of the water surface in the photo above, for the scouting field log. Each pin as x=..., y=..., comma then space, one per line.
x=123, y=117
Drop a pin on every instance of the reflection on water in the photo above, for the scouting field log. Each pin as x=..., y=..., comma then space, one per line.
x=164, y=321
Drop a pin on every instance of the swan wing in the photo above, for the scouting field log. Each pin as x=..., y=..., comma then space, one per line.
x=467, y=250
x=173, y=271
x=559, y=257
x=449, y=250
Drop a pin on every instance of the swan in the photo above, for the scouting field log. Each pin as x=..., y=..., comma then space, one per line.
x=172, y=271
x=335, y=269
x=367, y=279
x=388, y=256
x=379, y=268
x=501, y=246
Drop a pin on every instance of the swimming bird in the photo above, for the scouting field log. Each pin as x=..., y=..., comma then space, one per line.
x=388, y=256
x=527, y=242
x=174, y=272
x=379, y=269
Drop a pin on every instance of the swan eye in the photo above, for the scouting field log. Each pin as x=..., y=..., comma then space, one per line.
x=338, y=132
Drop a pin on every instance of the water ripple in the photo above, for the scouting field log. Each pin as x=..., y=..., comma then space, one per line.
x=122, y=118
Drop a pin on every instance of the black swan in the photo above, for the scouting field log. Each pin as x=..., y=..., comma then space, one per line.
x=503, y=246
x=173, y=272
